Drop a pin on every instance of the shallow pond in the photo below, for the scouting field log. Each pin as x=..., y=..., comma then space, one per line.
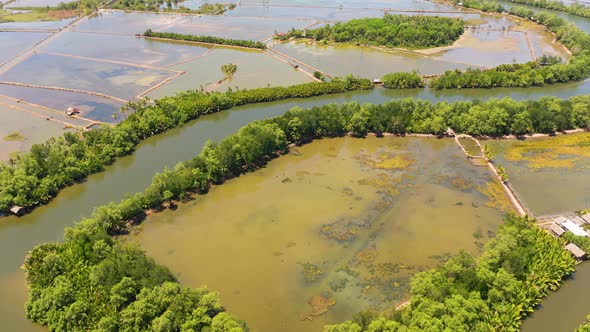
x=255, y=70
x=15, y=42
x=128, y=49
x=550, y=174
x=29, y=130
x=91, y=107
x=339, y=220
x=117, y=80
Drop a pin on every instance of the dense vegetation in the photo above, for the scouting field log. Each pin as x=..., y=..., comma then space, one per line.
x=206, y=39
x=391, y=31
x=544, y=71
x=34, y=178
x=494, y=292
x=402, y=80
x=171, y=6
x=573, y=8
x=92, y=282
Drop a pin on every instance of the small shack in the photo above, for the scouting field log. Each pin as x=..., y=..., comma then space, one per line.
x=556, y=229
x=17, y=210
x=450, y=132
x=560, y=220
x=586, y=217
x=578, y=253
x=572, y=227
x=377, y=81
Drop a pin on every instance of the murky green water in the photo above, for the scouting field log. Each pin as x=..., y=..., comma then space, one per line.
x=552, y=175
x=345, y=219
x=565, y=309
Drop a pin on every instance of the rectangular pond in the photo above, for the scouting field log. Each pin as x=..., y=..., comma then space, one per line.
x=91, y=107
x=337, y=226
x=120, y=81
x=255, y=69
x=550, y=174
x=128, y=49
x=14, y=43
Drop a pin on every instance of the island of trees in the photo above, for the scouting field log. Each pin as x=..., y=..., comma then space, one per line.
x=205, y=39
x=574, y=8
x=95, y=282
x=546, y=70
x=389, y=31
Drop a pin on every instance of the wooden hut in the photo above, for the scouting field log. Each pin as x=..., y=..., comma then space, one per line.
x=586, y=217
x=556, y=229
x=17, y=210
x=578, y=253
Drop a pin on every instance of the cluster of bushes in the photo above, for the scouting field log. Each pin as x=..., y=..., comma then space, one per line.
x=94, y=282
x=494, y=292
x=206, y=39
x=573, y=8
x=158, y=5
x=391, y=30
x=91, y=282
x=35, y=177
x=532, y=73
x=403, y=80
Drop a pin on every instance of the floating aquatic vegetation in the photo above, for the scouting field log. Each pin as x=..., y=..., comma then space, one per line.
x=319, y=305
x=497, y=198
x=366, y=256
x=338, y=284
x=340, y=232
x=311, y=272
x=564, y=151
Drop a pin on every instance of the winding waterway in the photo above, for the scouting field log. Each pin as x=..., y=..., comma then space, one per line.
x=133, y=173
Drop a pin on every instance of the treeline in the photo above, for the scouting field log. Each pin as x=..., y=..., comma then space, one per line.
x=391, y=31
x=532, y=73
x=403, y=80
x=494, y=292
x=256, y=143
x=91, y=282
x=573, y=8
x=33, y=178
x=206, y=39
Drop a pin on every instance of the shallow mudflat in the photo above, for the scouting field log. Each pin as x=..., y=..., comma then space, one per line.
x=551, y=174
x=339, y=225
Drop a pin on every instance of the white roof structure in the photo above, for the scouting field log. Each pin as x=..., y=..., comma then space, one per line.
x=556, y=229
x=560, y=219
x=578, y=221
x=572, y=227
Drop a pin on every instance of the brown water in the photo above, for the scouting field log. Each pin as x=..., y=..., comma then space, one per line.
x=552, y=175
x=343, y=219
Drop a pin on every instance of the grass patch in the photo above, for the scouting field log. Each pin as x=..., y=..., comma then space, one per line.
x=496, y=196
x=16, y=137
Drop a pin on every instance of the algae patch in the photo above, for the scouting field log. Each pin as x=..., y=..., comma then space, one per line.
x=496, y=196
x=565, y=151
